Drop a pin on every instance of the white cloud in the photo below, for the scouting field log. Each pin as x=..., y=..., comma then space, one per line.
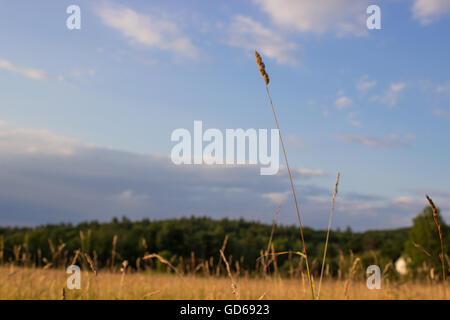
x=148, y=30
x=78, y=73
x=29, y=141
x=129, y=195
x=397, y=87
x=276, y=197
x=249, y=34
x=427, y=11
x=305, y=172
x=302, y=173
x=364, y=84
x=341, y=17
x=395, y=211
x=130, y=199
x=408, y=203
x=351, y=117
x=31, y=73
x=404, y=200
x=383, y=142
x=343, y=102
x=433, y=87
x=353, y=206
x=391, y=95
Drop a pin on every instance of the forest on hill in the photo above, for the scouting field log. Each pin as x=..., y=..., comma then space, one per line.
x=194, y=239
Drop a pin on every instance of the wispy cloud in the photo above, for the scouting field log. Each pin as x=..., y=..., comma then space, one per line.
x=77, y=74
x=305, y=172
x=343, y=102
x=433, y=87
x=341, y=17
x=148, y=29
x=351, y=117
x=35, y=142
x=31, y=73
x=130, y=200
x=276, y=197
x=302, y=173
x=244, y=32
x=428, y=11
x=391, y=95
x=379, y=142
x=365, y=83
x=408, y=202
x=369, y=210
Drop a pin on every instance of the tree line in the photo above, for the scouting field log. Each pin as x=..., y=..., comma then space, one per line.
x=193, y=239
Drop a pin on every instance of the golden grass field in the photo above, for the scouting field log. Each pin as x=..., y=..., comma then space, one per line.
x=38, y=284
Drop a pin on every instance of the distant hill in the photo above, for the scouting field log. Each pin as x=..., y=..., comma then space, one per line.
x=195, y=237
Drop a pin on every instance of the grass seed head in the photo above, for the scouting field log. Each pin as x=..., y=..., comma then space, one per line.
x=262, y=67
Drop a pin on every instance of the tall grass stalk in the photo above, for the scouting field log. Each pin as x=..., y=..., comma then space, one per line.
x=328, y=233
x=266, y=80
x=438, y=224
x=234, y=287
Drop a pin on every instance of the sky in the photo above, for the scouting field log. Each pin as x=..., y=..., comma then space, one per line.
x=86, y=115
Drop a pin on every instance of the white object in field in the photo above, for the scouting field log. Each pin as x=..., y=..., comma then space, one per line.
x=401, y=266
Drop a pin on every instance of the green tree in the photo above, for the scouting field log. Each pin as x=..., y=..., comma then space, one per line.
x=424, y=236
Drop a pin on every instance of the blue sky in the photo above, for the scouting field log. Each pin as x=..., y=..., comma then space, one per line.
x=372, y=104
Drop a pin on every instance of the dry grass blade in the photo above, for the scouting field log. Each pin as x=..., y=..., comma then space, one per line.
x=284, y=252
x=151, y=294
x=199, y=266
x=269, y=244
x=77, y=253
x=438, y=224
x=123, y=270
x=262, y=69
x=418, y=246
x=350, y=277
x=435, y=216
x=234, y=287
x=330, y=220
x=224, y=245
x=47, y=266
x=91, y=263
x=157, y=256
x=386, y=268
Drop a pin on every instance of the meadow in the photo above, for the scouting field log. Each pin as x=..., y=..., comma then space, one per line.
x=20, y=283
x=199, y=258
